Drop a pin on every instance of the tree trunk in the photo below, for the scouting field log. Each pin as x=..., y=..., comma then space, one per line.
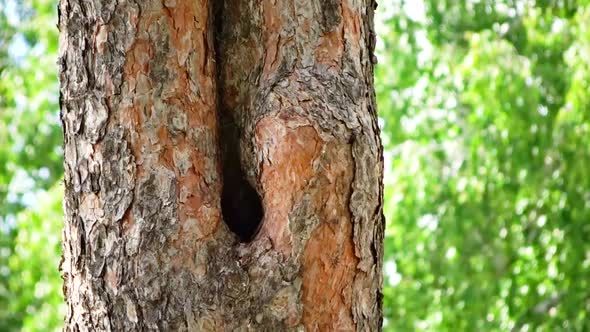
x=223, y=165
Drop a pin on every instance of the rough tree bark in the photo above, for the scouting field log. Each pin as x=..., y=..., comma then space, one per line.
x=223, y=165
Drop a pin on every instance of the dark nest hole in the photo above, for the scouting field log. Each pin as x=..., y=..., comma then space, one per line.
x=241, y=207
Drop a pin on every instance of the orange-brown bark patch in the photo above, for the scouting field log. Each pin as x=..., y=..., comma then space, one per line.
x=184, y=98
x=352, y=21
x=328, y=261
x=135, y=74
x=166, y=156
x=330, y=50
x=138, y=58
x=290, y=146
x=332, y=45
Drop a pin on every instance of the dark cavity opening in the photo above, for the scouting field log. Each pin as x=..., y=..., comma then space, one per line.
x=240, y=204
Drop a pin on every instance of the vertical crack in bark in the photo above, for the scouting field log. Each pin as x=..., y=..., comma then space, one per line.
x=240, y=203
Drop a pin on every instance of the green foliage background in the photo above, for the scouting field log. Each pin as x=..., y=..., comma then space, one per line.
x=30, y=168
x=485, y=115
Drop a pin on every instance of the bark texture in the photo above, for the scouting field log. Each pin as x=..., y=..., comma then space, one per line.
x=173, y=109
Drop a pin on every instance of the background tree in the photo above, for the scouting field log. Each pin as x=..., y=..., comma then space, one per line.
x=143, y=85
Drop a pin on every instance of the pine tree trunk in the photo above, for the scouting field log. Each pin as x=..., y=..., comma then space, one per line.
x=223, y=165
